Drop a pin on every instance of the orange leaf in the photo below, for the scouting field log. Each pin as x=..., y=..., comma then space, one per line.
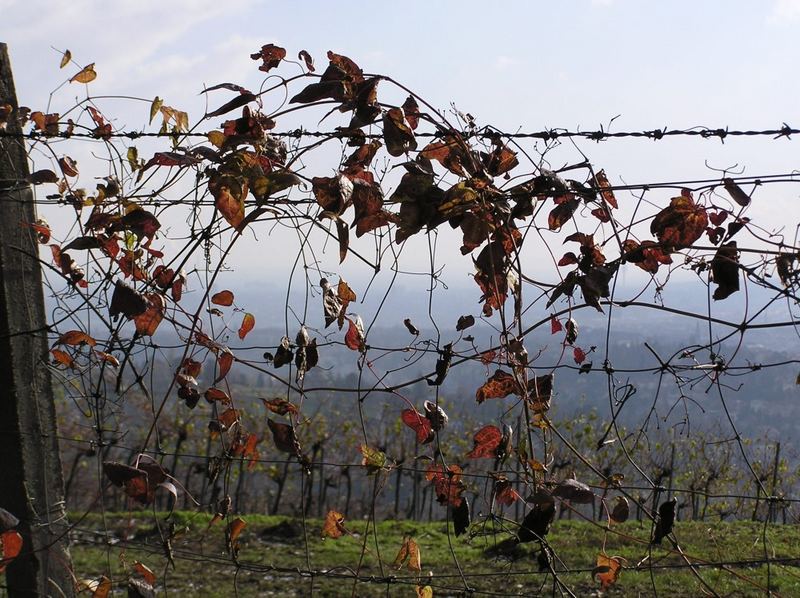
x=334, y=525
x=224, y=298
x=224, y=361
x=103, y=588
x=607, y=570
x=62, y=357
x=85, y=75
x=408, y=555
x=500, y=385
x=76, y=337
x=145, y=572
x=12, y=545
x=681, y=223
x=354, y=339
x=147, y=322
x=248, y=323
x=235, y=528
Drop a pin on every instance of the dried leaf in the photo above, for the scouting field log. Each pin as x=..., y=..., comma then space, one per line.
x=487, y=442
x=280, y=406
x=498, y=386
x=410, y=327
x=65, y=59
x=75, y=337
x=574, y=491
x=620, y=511
x=354, y=338
x=465, y=322
x=217, y=394
x=271, y=55
x=147, y=322
x=306, y=57
x=607, y=570
x=224, y=362
x=461, y=517
x=334, y=525
x=725, y=271
x=681, y=223
x=224, y=298
x=537, y=522
x=284, y=437
x=232, y=533
x=736, y=192
x=85, y=75
x=237, y=102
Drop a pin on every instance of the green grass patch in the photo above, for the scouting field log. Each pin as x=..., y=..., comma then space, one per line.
x=275, y=554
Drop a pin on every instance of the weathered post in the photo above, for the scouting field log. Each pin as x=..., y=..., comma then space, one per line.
x=31, y=481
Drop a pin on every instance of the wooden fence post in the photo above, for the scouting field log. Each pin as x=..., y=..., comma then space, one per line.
x=31, y=480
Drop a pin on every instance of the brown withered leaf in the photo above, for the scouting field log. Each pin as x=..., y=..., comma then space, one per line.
x=270, y=55
x=284, y=437
x=343, y=234
x=333, y=527
x=449, y=152
x=681, y=223
x=408, y=555
x=146, y=323
x=224, y=298
x=620, y=512
x=500, y=160
x=465, y=322
x=280, y=406
x=601, y=182
x=410, y=327
x=306, y=57
x=397, y=133
x=561, y=214
x=498, y=386
x=411, y=110
x=127, y=301
x=736, y=192
x=648, y=255
x=217, y=394
x=725, y=271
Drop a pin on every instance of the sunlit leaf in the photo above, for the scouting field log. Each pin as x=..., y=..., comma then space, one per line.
x=607, y=570
x=280, y=406
x=248, y=323
x=333, y=527
x=373, y=459
x=499, y=385
x=486, y=441
x=75, y=337
x=85, y=75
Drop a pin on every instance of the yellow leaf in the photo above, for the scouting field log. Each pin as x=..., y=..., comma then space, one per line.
x=65, y=59
x=334, y=525
x=216, y=138
x=424, y=592
x=155, y=107
x=85, y=75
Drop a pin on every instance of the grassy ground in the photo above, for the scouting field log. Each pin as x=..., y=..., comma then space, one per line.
x=272, y=549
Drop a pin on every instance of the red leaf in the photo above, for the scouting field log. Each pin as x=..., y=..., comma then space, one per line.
x=354, y=339
x=504, y=493
x=578, y=355
x=419, y=423
x=147, y=322
x=567, y=259
x=486, y=442
x=555, y=325
x=217, y=394
x=248, y=323
x=11, y=542
x=605, y=189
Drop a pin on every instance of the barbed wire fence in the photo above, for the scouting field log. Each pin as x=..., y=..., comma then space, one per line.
x=154, y=252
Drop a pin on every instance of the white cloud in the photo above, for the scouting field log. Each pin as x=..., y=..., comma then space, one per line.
x=784, y=11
